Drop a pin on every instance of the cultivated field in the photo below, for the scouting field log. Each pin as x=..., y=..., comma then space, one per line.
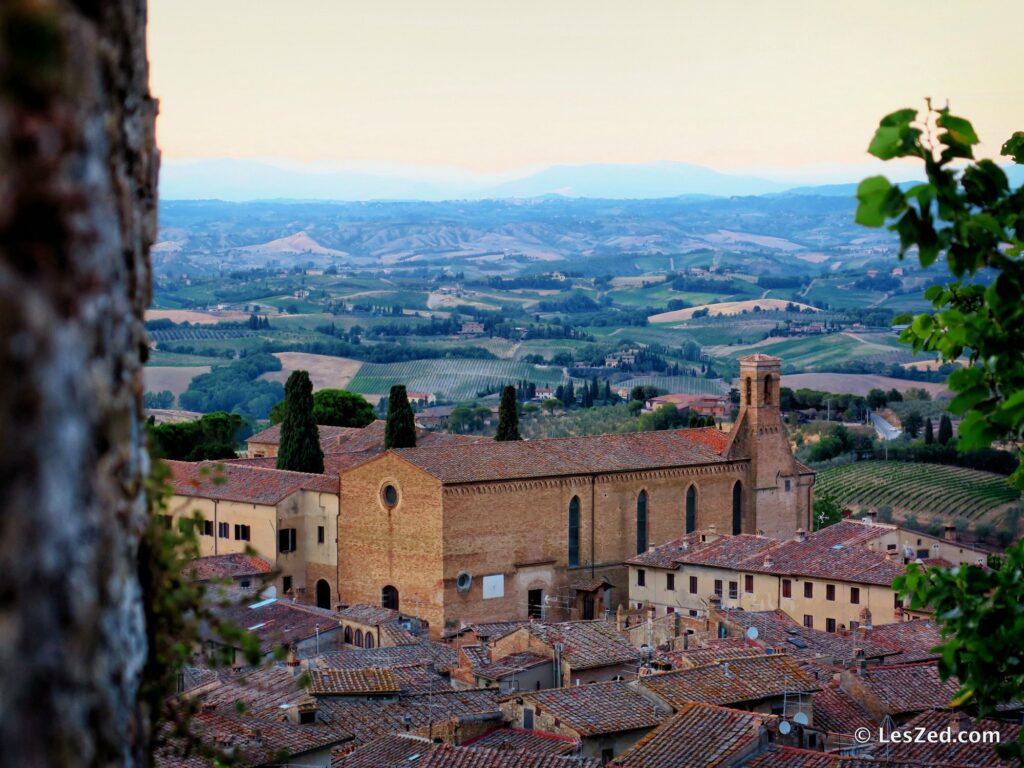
x=174, y=378
x=925, y=490
x=325, y=371
x=202, y=317
x=450, y=378
x=726, y=308
x=690, y=385
x=858, y=384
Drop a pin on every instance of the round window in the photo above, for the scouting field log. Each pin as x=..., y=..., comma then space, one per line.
x=390, y=495
x=462, y=582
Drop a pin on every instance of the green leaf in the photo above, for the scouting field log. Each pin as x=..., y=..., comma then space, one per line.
x=871, y=196
x=1014, y=147
x=895, y=137
x=958, y=130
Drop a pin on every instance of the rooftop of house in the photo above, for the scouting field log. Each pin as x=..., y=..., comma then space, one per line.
x=334, y=440
x=913, y=640
x=421, y=654
x=479, y=659
x=682, y=398
x=953, y=753
x=777, y=629
x=719, y=552
x=265, y=692
x=408, y=749
x=239, y=482
x=904, y=688
x=278, y=622
x=370, y=615
x=583, y=584
x=732, y=681
x=698, y=735
x=597, y=708
x=367, y=720
x=530, y=741
x=231, y=566
x=793, y=757
x=836, y=711
x=490, y=630
x=587, y=644
x=251, y=741
x=494, y=460
x=716, y=650
x=372, y=681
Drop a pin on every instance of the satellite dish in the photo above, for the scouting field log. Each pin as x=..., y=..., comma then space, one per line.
x=785, y=727
x=752, y=633
x=800, y=718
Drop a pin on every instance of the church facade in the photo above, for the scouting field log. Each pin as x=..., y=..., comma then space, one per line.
x=493, y=531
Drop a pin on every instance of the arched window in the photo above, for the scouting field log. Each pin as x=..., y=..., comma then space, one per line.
x=389, y=597
x=369, y=640
x=359, y=638
x=348, y=635
x=737, y=508
x=748, y=400
x=641, y=522
x=691, y=509
x=323, y=594
x=768, y=390
x=574, y=532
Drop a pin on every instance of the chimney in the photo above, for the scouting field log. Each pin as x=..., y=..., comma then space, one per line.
x=651, y=547
x=768, y=562
x=893, y=556
x=869, y=517
x=949, y=532
x=959, y=721
x=801, y=534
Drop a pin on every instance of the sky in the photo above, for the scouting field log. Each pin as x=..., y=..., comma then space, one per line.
x=492, y=87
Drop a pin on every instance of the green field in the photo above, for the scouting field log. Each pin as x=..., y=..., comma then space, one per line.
x=691, y=385
x=826, y=351
x=450, y=378
x=926, y=490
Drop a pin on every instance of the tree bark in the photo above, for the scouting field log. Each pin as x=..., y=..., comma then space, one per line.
x=78, y=168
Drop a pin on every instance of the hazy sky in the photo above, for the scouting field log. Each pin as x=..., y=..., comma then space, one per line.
x=494, y=86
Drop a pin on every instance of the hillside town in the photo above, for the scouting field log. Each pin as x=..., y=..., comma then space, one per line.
x=643, y=599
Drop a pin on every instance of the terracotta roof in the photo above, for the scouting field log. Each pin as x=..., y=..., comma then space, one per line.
x=777, y=629
x=367, y=720
x=279, y=622
x=331, y=438
x=905, y=688
x=590, y=585
x=953, y=753
x=734, y=552
x=422, y=654
x=226, y=567
x=760, y=357
x=838, y=712
x=791, y=757
x=587, y=644
x=732, y=682
x=699, y=735
x=530, y=741
x=371, y=615
x=384, y=752
x=505, y=666
x=664, y=555
x=598, y=708
x=239, y=482
x=252, y=741
x=352, y=682
x=490, y=630
x=717, y=650
x=913, y=639
x=493, y=460
x=415, y=680
x=407, y=749
x=264, y=692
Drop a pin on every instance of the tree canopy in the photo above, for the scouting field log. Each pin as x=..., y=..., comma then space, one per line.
x=400, y=431
x=214, y=436
x=299, y=449
x=508, y=416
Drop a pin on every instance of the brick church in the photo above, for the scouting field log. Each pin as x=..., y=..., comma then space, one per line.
x=478, y=532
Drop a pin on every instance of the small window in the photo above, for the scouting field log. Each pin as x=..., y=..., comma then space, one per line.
x=223, y=530
x=787, y=486
x=241, y=532
x=787, y=588
x=830, y=592
x=693, y=585
x=286, y=584
x=245, y=583
x=320, y=534
x=830, y=625
x=527, y=719
x=641, y=577
x=748, y=584
x=390, y=495
x=734, y=590
x=693, y=612
x=368, y=641
x=670, y=582
x=359, y=638
x=307, y=718
x=855, y=595
x=207, y=527
x=718, y=587
x=286, y=540
x=808, y=589
x=896, y=602
x=808, y=621
x=669, y=610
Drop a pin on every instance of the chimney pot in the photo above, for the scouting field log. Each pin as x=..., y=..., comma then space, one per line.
x=801, y=534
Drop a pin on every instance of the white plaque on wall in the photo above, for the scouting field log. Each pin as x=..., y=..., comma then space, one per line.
x=494, y=586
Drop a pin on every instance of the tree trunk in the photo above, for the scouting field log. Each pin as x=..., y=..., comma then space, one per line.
x=78, y=168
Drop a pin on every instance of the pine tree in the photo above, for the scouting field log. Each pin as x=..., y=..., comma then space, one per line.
x=945, y=430
x=300, y=449
x=608, y=391
x=400, y=430
x=929, y=434
x=508, y=416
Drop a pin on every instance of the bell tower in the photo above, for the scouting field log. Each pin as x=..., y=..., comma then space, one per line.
x=778, y=496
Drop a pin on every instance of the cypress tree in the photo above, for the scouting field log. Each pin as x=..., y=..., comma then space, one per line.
x=300, y=449
x=929, y=433
x=945, y=430
x=400, y=431
x=508, y=416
